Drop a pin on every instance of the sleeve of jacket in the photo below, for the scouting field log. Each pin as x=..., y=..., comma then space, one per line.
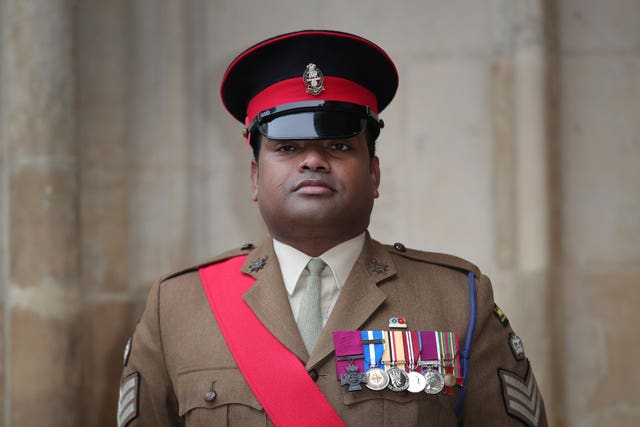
x=146, y=392
x=501, y=389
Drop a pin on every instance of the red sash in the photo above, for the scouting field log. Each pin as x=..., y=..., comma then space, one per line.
x=276, y=376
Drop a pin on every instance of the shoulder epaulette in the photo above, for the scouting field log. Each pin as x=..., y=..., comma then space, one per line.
x=436, y=258
x=243, y=250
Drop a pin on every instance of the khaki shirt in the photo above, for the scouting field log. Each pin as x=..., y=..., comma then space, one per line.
x=178, y=353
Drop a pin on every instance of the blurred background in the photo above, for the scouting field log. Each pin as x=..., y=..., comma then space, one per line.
x=513, y=141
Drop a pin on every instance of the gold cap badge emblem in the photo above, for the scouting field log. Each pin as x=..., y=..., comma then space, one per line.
x=313, y=79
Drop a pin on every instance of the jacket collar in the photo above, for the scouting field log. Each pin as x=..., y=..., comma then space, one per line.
x=358, y=300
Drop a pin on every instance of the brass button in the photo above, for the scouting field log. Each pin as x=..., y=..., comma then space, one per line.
x=314, y=375
x=399, y=247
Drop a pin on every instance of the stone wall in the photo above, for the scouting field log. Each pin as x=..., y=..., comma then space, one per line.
x=40, y=190
x=513, y=141
x=600, y=200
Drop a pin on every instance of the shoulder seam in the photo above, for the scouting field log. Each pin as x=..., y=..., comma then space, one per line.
x=222, y=257
x=440, y=259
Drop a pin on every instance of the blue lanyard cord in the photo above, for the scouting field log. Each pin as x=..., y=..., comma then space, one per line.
x=466, y=351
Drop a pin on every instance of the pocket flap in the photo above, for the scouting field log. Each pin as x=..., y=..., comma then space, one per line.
x=364, y=395
x=229, y=386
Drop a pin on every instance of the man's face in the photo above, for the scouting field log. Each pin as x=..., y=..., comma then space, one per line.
x=308, y=187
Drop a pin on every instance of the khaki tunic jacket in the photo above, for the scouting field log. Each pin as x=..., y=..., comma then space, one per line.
x=178, y=353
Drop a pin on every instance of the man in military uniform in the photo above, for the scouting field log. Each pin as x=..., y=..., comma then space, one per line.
x=321, y=325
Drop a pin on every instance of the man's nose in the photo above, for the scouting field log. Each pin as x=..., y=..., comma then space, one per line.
x=315, y=159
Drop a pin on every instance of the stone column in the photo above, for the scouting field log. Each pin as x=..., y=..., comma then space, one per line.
x=103, y=70
x=532, y=203
x=521, y=102
x=4, y=259
x=531, y=159
x=531, y=105
x=132, y=140
x=157, y=154
x=39, y=213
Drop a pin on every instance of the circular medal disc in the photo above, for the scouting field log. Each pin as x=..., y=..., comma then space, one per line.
x=449, y=380
x=398, y=379
x=435, y=382
x=377, y=379
x=417, y=382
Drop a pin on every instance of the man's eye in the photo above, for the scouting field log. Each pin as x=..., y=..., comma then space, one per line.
x=340, y=146
x=285, y=148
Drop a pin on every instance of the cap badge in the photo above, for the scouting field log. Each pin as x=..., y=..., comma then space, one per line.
x=313, y=79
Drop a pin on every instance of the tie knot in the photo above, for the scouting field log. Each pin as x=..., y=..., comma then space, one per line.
x=315, y=266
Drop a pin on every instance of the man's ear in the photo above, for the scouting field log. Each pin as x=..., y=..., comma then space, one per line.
x=375, y=175
x=254, y=180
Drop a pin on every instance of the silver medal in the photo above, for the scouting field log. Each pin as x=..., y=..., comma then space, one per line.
x=434, y=382
x=417, y=382
x=398, y=379
x=377, y=379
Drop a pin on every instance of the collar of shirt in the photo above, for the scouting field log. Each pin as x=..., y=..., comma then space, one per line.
x=340, y=260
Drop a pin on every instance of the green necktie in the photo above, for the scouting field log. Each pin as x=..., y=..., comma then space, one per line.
x=310, y=314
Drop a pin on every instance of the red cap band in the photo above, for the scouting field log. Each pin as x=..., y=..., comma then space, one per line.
x=294, y=90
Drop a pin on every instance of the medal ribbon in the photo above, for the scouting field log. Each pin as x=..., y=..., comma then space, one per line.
x=348, y=343
x=446, y=356
x=433, y=351
x=439, y=345
x=420, y=354
x=373, y=351
x=386, y=354
x=429, y=352
x=443, y=347
x=448, y=343
x=411, y=341
x=396, y=347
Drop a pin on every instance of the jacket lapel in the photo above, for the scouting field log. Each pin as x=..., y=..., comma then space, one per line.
x=359, y=299
x=268, y=298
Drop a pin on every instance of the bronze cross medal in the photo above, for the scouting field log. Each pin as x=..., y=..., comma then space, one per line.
x=353, y=378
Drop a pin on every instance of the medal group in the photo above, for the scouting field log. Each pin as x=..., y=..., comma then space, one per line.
x=400, y=360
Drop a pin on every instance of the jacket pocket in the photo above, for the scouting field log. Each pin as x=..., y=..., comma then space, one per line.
x=388, y=408
x=231, y=403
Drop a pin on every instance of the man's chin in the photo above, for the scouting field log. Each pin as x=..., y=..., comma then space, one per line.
x=309, y=219
x=314, y=218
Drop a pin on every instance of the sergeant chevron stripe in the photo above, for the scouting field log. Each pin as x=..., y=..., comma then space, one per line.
x=521, y=397
x=128, y=399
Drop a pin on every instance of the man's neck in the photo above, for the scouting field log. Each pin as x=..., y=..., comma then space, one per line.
x=314, y=246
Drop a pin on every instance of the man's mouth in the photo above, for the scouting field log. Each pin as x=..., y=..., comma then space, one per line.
x=313, y=187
